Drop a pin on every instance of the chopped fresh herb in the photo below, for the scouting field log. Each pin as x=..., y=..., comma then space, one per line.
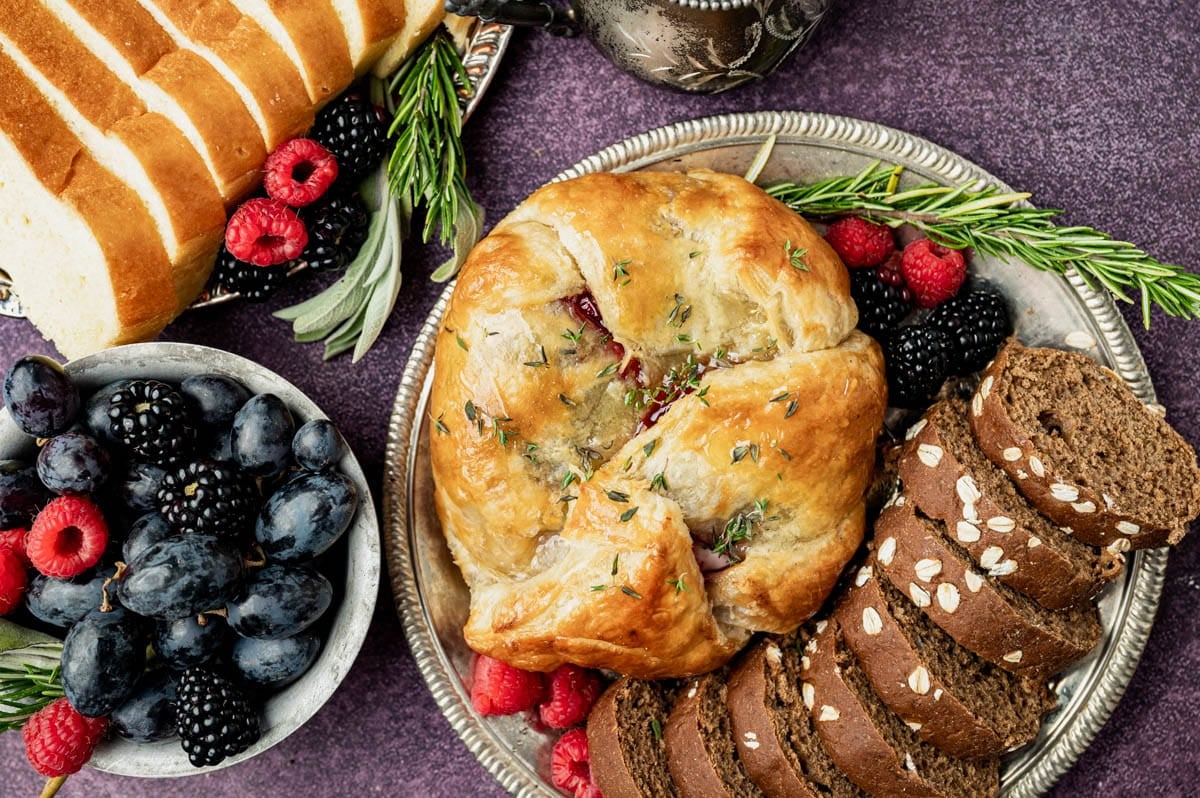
x=568, y=478
x=628, y=591
x=696, y=254
x=739, y=454
x=795, y=256
x=678, y=584
x=781, y=396
x=648, y=449
x=461, y=343
x=620, y=271
x=469, y=409
x=737, y=529
x=502, y=435
x=598, y=588
x=659, y=482
x=628, y=463
x=656, y=728
x=489, y=333
x=529, y=455
x=566, y=498
x=786, y=455
x=684, y=338
x=574, y=336
x=761, y=505
x=618, y=496
x=566, y=400
x=680, y=312
x=607, y=371
x=616, y=558
x=701, y=396
x=630, y=513
x=539, y=363
x=791, y=408
x=441, y=425
x=754, y=452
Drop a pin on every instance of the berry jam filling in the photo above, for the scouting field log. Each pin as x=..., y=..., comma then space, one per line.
x=583, y=307
x=676, y=384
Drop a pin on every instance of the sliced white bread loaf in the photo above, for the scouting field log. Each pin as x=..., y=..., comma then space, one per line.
x=261, y=72
x=146, y=149
x=1084, y=450
x=179, y=84
x=306, y=30
x=976, y=609
x=58, y=205
x=370, y=26
x=421, y=17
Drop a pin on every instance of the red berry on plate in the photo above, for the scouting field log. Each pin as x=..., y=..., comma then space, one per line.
x=933, y=273
x=500, y=689
x=67, y=537
x=12, y=581
x=15, y=539
x=265, y=232
x=573, y=690
x=570, y=766
x=59, y=741
x=589, y=790
x=299, y=172
x=859, y=243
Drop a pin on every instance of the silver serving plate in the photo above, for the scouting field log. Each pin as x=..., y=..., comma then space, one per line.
x=486, y=44
x=1048, y=310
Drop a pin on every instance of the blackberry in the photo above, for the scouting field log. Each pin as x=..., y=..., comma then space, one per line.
x=209, y=498
x=337, y=229
x=213, y=718
x=915, y=359
x=352, y=129
x=254, y=283
x=150, y=419
x=881, y=305
x=976, y=323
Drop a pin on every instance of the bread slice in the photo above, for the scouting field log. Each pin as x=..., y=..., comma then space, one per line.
x=58, y=205
x=421, y=17
x=625, y=740
x=774, y=732
x=258, y=69
x=869, y=743
x=176, y=83
x=701, y=753
x=370, y=26
x=980, y=613
x=1084, y=450
x=144, y=148
x=950, y=479
x=307, y=31
x=954, y=700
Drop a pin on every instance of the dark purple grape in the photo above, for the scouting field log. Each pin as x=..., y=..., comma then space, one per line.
x=103, y=657
x=274, y=663
x=220, y=446
x=262, y=436
x=149, y=714
x=138, y=489
x=306, y=516
x=214, y=398
x=143, y=533
x=22, y=494
x=74, y=463
x=63, y=602
x=279, y=601
x=318, y=445
x=179, y=576
x=95, y=411
x=184, y=642
x=40, y=396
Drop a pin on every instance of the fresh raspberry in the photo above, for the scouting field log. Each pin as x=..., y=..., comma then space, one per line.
x=570, y=765
x=265, y=232
x=590, y=790
x=67, y=537
x=859, y=243
x=59, y=741
x=15, y=539
x=12, y=581
x=573, y=690
x=299, y=172
x=500, y=689
x=933, y=272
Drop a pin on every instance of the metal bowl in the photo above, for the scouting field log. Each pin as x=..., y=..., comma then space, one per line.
x=356, y=585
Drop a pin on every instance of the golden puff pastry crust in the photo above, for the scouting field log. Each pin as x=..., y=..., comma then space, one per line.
x=654, y=424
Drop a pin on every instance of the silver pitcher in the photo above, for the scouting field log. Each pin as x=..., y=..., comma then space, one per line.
x=701, y=46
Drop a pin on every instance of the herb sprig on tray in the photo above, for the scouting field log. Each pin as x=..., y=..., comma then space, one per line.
x=29, y=673
x=1001, y=224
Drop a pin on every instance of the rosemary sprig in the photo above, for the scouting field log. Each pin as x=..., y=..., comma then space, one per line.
x=29, y=673
x=1000, y=224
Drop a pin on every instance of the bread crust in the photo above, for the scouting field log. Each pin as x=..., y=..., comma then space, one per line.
x=312, y=26
x=903, y=680
x=611, y=769
x=1092, y=517
x=931, y=473
x=966, y=605
x=688, y=756
x=531, y=559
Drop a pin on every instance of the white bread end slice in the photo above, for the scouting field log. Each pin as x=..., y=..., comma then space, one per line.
x=246, y=56
x=178, y=84
x=423, y=17
x=370, y=26
x=312, y=35
x=80, y=246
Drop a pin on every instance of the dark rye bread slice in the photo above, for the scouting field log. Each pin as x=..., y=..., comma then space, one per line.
x=949, y=478
x=869, y=743
x=625, y=740
x=701, y=754
x=773, y=730
x=953, y=699
x=1082, y=448
x=980, y=613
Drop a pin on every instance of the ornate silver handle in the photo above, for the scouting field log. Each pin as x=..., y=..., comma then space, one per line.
x=552, y=19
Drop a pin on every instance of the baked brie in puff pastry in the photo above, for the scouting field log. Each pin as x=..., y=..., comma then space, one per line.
x=653, y=424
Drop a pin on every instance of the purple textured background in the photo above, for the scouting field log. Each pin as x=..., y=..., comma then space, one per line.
x=1090, y=104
